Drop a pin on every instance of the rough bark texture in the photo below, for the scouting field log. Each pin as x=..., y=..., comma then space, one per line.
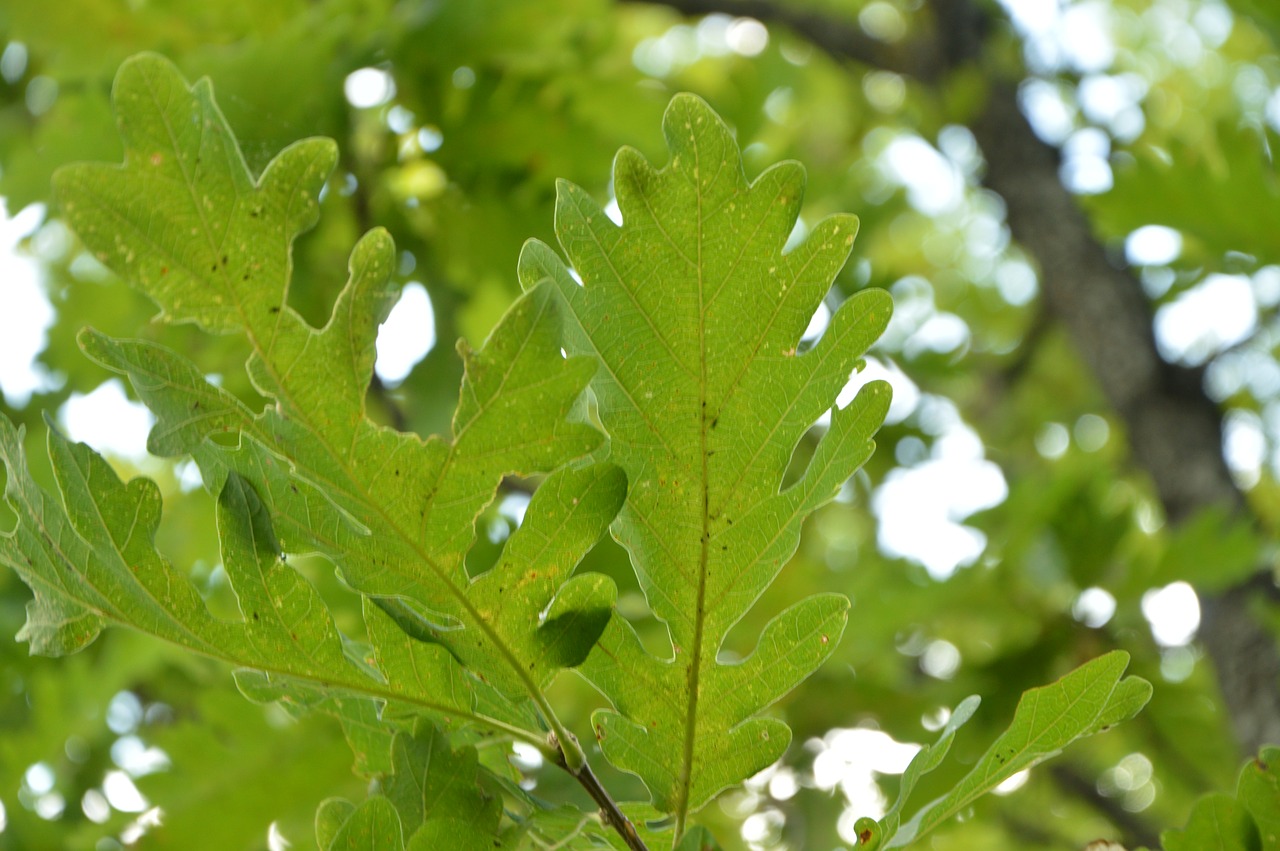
x=1175, y=430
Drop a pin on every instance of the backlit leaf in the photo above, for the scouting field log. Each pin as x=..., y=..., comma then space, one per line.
x=695, y=311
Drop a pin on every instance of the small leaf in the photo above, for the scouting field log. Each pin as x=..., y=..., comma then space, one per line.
x=928, y=759
x=332, y=814
x=1218, y=823
x=431, y=781
x=1259, y=791
x=374, y=826
x=1086, y=701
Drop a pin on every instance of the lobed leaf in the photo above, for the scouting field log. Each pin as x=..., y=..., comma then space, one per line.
x=1088, y=700
x=185, y=221
x=372, y=826
x=694, y=311
x=1248, y=822
x=89, y=557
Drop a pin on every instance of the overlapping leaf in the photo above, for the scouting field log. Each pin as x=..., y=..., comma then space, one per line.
x=185, y=221
x=88, y=555
x=695, y=311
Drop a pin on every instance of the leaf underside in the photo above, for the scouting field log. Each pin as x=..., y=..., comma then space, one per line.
x=695, y=312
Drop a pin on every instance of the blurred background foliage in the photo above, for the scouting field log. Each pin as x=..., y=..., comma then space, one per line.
x=1007, y=528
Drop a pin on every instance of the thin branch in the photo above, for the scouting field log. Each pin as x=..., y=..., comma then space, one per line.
x=609, y=811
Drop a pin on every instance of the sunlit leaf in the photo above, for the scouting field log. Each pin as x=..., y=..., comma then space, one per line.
x=1086, y=701
x=695, y=312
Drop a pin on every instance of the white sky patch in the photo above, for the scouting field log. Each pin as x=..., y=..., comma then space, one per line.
x=95, y=807
x=817, y=324
x=1094, y=607
x=934, y=185
x=1084, y=34
x=108, y=421
x=513, y=506
x=906, y=395
x=39, y=778
x=1208, y=318
x=882, y=21
x=27, y=313
x=1013, y=783
x=746, y=37
x=407, y=336
x=1173, y=613
x=1114, y=101
x=613, y=211
x=124, y=713
x=137, y=758
x=940, y=660
x=1053, y=440
x=276, y=840
x=1153, y=245
x=430, y=138
x=850, y=759
x=1016, y=281
x=921, y=508
x=122, y=794
x=784, y=785
x=1051, y=116
x=940, y=333
x=1032, y=16
x=368, y=87
x=1244, y=445
x=1085, y=167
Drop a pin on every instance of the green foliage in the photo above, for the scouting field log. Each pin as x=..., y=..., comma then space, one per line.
x=695, y=313
x=1088, y=700
x=1249, y=821
x=685, y=322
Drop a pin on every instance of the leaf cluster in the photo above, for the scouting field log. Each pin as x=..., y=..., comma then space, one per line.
x=653, y=386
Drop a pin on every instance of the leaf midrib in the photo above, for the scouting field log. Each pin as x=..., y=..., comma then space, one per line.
x=695, y=671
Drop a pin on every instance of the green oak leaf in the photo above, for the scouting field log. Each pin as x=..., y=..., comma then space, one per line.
x=431, y=781
x=1248, y=822
x=1090, y=699
x=185, y=222
x=372, y=826
x=1259, y=791
x=694, y=310
x=1218, y=823
x=88, y=555
x=871, y=834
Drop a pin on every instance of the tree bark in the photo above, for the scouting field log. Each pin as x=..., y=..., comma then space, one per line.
x=1175, y=429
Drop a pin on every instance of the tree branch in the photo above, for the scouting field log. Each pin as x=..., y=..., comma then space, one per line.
x=609, y=811
x=1175, y=430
